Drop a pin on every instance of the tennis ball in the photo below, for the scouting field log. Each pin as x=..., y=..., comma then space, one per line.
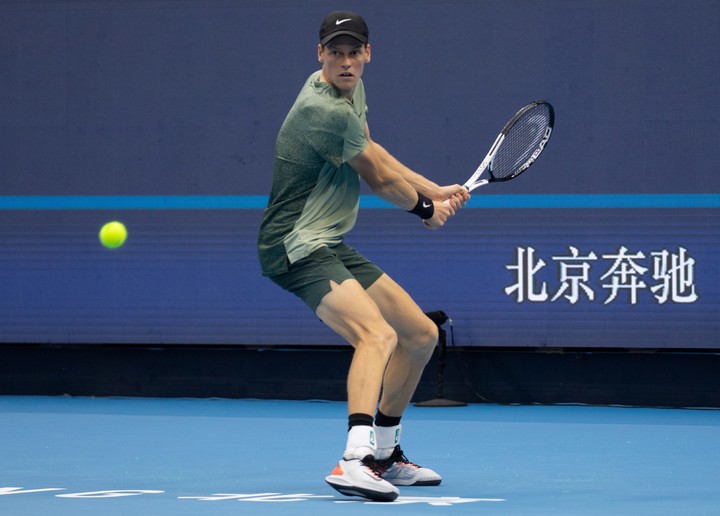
x=113, y=234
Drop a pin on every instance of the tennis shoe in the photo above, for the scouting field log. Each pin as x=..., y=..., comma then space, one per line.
x=399, y=471
x=360, y=477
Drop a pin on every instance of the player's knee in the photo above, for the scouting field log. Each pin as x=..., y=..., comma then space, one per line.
x=383, y=341
x=424, y=338
x=428, y=335
x=389, y=340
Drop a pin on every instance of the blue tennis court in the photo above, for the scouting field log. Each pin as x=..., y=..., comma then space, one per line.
x=148, y=456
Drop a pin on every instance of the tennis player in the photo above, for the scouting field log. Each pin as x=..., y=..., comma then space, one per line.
x=322, y=151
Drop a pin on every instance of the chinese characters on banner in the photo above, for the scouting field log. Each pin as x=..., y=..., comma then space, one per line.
x=667, y=276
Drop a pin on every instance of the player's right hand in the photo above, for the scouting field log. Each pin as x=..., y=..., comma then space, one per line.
x=443, y=211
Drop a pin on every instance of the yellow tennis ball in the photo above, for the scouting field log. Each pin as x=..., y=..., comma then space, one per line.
x=113, y=234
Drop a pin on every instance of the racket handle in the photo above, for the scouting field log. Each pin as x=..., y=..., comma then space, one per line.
x=475, y=185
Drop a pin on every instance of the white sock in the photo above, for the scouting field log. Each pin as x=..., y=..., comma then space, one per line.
x=360, y=442
x=387, y=438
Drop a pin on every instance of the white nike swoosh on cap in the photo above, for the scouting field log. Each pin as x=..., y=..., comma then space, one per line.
x=338, y=22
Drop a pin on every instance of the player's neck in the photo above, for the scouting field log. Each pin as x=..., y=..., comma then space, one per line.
x=348, y=94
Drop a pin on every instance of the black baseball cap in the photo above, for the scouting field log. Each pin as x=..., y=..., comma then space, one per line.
x=338, y=23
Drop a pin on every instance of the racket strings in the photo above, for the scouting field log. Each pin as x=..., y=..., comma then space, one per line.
x=521, y=142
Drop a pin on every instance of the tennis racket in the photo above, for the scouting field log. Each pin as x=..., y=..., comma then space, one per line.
x=517, y=146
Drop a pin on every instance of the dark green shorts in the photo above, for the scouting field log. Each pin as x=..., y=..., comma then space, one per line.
x=309, y=278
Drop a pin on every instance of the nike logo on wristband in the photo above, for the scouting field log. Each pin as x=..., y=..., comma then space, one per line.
x=427, y=205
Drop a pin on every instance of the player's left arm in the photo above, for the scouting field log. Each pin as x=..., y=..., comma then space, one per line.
x=418, y=181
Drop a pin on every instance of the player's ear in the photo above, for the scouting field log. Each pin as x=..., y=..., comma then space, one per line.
x=367, y=53
x=320, y=51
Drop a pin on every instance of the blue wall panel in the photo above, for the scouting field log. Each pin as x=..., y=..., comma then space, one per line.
x=163, y=115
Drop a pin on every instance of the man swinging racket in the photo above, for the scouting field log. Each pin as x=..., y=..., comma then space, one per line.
x=322, y=151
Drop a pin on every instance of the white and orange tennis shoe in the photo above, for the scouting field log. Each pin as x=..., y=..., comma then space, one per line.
x=360, y=477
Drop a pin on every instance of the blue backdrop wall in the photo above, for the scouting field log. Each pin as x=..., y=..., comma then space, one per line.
x=163, y=114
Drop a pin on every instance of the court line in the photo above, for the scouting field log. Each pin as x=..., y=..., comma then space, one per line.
x=254, y=202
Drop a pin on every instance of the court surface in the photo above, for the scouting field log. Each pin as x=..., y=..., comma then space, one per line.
x=118, y=456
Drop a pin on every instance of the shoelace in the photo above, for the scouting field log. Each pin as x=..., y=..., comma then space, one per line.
x=397, y=456
x=376, y=466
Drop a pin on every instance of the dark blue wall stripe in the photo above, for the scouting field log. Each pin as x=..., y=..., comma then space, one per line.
x=243, y=202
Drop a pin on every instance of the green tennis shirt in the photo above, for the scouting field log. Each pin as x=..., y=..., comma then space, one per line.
x=315, y=193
